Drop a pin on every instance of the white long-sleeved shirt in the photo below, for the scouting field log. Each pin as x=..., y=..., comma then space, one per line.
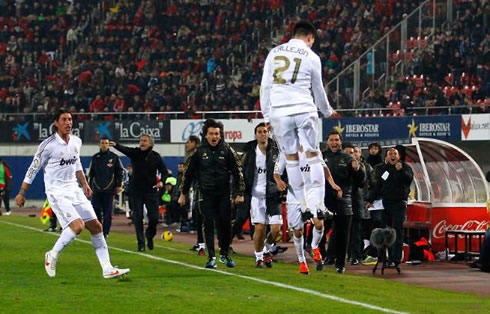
x=292, y=82
x=305, y=169
x=60, y=161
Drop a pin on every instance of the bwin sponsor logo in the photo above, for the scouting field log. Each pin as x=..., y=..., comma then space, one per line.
x=306, y=168
x=261, y=170
x=67, y=162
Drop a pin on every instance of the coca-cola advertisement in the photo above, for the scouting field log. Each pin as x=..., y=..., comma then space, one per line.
x=457, y=219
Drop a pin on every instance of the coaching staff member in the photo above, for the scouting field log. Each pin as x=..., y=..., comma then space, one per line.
x=393, y=181
x=147, y=164
x=105, y=178
x=212, y=164
x=346, y=171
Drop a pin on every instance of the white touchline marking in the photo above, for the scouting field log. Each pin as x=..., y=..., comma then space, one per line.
x=272, y=283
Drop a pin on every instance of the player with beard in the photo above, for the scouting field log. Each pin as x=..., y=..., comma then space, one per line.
x=59, y=155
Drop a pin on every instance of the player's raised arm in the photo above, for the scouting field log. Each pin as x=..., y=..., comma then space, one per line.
x=318, y=90
x=265, y=87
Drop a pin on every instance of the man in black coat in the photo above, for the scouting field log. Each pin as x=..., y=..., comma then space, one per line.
x=360, y=212
x=105, y=177
x=213, y=164
x=147, y=164
x=346, y=171
x=393, y=181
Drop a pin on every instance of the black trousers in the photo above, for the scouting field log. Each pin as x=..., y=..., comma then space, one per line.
x=242, y=214
x=394, y=216
x=6, y=199
x=197, y=222
x=355, y=246
x=102, y=203
x=337, y=245
x=151, y=202
x=216, y=211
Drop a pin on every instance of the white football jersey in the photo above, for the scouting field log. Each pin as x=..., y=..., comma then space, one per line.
x=292, y=82
x=60, y=161
x=305, y=169
x=260, y=176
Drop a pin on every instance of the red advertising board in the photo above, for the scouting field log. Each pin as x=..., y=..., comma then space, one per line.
x=457, y=218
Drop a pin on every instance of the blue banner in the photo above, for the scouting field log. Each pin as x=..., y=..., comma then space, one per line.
x=394, y=129
x=89, y=131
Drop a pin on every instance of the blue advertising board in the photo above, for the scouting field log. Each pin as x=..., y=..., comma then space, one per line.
x=395, y=129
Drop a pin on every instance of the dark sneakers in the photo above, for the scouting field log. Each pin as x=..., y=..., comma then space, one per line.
x=268, y=260
x=259, y=264
x=150, y=244
x=211, y=263
x=306, y=215
x=141, y=247
x=226, y=259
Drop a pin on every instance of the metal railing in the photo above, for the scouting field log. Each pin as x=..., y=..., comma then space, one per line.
x=245, y=114
x=388, y=58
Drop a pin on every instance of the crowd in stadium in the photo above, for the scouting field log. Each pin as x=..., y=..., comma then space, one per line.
x=90, y=58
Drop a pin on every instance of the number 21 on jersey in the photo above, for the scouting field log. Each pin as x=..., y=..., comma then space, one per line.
x=284, y=66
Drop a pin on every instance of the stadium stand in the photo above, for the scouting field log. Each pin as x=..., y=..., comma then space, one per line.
x=174, y=56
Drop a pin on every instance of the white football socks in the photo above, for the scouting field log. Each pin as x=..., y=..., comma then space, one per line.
x=65, y=238
x=297, y=183
x=317, y=176
x=317, y=237
x=259, y=256
x=298, y=244
x=101, y=250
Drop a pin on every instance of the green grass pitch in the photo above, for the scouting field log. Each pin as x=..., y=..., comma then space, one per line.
x=172, y=279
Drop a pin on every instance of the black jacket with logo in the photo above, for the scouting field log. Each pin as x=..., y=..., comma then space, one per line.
x=213, y=167
x=273, y=195
x=391, y=184
x=340, y=165
x=145, y=164
x=359, y=192
x=105, y=172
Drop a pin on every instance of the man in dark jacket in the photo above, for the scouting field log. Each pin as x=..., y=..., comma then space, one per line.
x=262, y=198
x=5, y=183
x=147, y=164
x=393, y=181
x=192, y=199
x=360, y=212
x=105, y=177
x=345, y=171
x=212, y=164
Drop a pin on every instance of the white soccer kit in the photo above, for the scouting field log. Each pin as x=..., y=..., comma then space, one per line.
x=258, y=206
x=61, y=161
x=291, y=93
x=293, y=207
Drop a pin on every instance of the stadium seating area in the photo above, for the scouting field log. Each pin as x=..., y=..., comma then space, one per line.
x=207, y=55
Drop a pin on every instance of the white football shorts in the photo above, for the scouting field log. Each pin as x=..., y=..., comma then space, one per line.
x=71, y=205
x=258, y=213
x=296, y=130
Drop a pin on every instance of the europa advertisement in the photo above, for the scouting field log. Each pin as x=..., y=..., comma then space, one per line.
x=365, y=130
x=88, y=131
